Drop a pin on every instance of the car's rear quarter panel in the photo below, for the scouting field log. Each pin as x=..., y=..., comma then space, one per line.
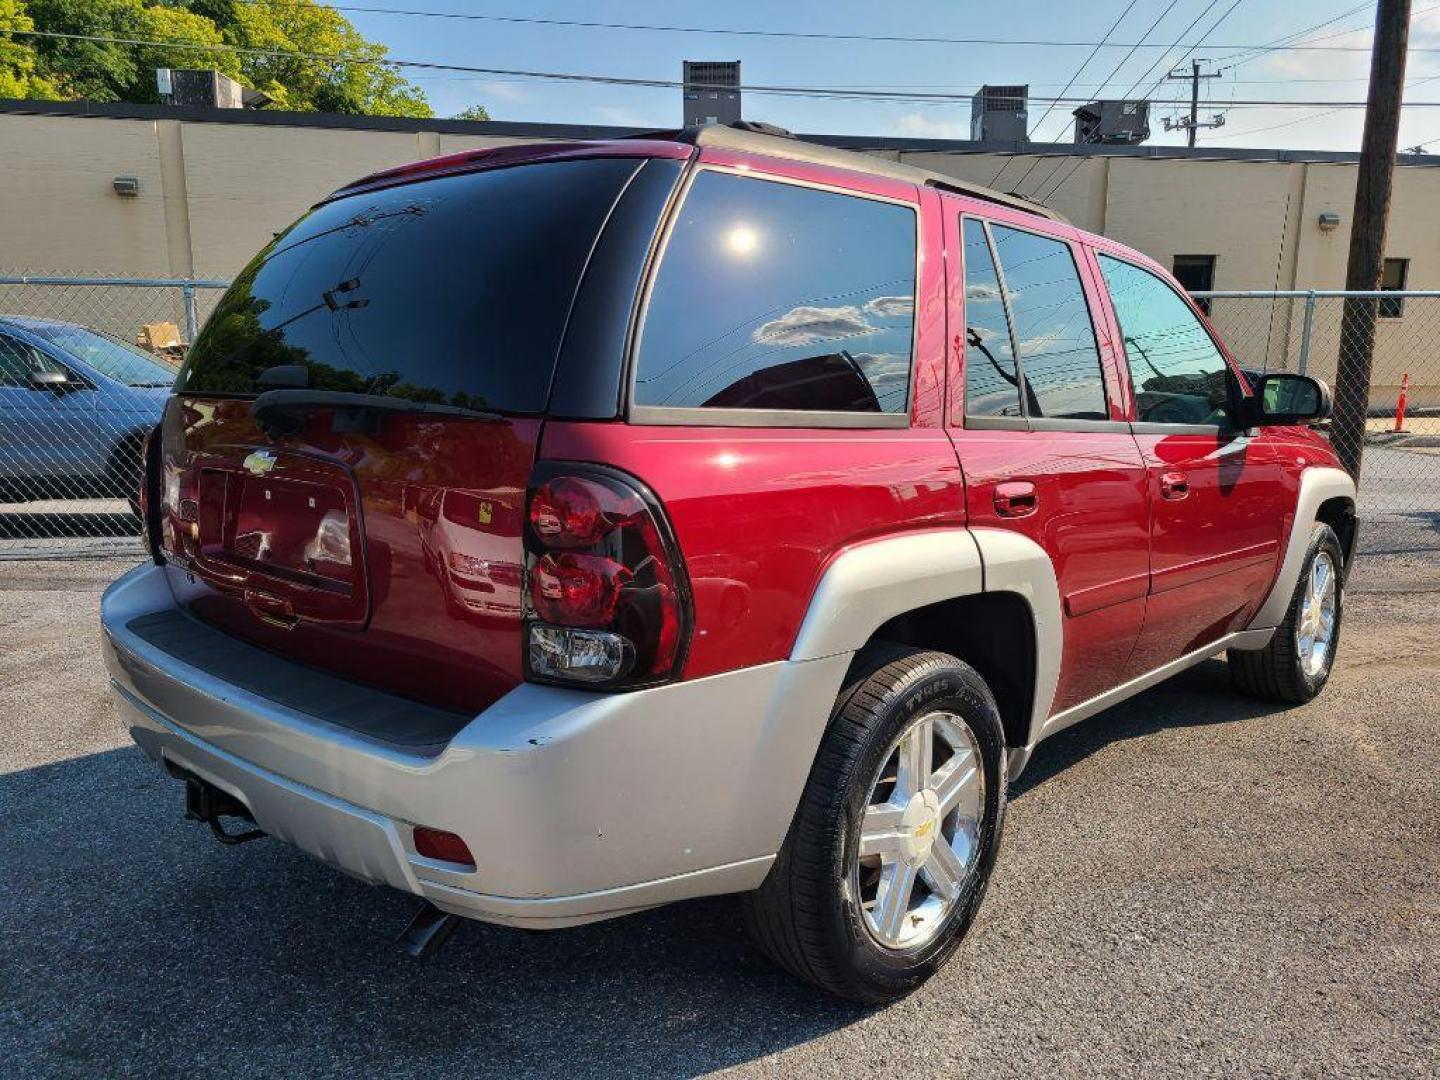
x=759, y=513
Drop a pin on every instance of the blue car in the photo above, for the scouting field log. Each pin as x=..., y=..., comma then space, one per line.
x=75, y=405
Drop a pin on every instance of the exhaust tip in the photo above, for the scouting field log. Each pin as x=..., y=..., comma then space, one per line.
x=428, y=930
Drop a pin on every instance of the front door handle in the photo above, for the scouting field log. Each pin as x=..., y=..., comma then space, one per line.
x=1174, y=485
x=1016, y=498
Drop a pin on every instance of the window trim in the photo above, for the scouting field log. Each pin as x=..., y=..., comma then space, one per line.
x=699, y=416
x=1153, y=427
x=1026, y=422
x=1404, y=261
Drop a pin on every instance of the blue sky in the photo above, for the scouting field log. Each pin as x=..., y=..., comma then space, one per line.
x=904, y=66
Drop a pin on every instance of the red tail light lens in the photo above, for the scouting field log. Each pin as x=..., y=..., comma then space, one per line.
x=577, y=590
x=607, y=603
x=566, y=513
x=442, y=845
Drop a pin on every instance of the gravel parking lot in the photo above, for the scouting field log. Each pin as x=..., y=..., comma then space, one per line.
x=1193, y=884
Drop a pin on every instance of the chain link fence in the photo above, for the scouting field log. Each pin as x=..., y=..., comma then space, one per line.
x=85, y=364
x=1302, y=332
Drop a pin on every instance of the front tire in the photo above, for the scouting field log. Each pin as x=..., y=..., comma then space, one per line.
x=1296, y=664
x=891, y=848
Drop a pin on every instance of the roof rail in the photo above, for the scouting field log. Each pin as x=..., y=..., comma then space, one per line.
x=750, y=137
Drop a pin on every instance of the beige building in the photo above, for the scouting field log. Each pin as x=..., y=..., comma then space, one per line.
x=212, y=186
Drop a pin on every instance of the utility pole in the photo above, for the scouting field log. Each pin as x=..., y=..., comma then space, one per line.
x=1192, y=122
x=1367, y=230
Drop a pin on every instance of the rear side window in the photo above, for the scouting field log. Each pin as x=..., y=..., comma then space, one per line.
x=1053, y=332
x=776, y=296
x=992, y=387
x=453, y=290
x=1178, y=374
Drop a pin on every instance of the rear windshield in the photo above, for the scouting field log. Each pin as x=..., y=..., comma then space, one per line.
x=453, y=290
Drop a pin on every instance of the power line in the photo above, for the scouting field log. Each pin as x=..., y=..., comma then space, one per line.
x=1158, y=61
x=1191, y=50
x=1078, y=71
x=1287, y=39
x=1316, y=116
x=1115, y=70
x=1293, y=35
x=614, y=80
x=800, y=34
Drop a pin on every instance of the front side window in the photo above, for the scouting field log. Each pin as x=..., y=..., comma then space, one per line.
x=1179, y=376
x=1059, y=360
x=776, y=296
x=19, y=360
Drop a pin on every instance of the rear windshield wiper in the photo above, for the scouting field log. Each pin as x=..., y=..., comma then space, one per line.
x=282, y=412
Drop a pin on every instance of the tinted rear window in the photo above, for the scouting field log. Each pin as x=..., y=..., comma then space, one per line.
x=777, y=296
x=452, y=290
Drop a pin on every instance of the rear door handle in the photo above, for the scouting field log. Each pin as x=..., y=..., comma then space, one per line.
x=1174, y=485
x=1016, y=498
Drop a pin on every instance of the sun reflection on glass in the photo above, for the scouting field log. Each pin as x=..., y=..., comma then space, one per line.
x=742, y=240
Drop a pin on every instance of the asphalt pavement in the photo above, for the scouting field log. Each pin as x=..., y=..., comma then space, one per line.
x=1192, y=884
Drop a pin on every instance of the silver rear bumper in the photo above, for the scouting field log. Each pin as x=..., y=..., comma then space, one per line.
x=577, y=806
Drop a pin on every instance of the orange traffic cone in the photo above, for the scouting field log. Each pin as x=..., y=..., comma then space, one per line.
x=1400, y=405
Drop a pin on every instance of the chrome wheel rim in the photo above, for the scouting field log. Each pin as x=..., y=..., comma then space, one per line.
x=920, y=833
x=1315, y=627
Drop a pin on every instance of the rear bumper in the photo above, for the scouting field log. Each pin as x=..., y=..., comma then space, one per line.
x=577, y=806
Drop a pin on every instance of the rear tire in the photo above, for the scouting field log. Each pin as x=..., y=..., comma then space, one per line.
x=124, y=472
x=1296, y=664
x=824, y=912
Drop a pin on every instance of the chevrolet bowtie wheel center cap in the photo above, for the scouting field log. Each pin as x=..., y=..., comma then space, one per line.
x=920, y=826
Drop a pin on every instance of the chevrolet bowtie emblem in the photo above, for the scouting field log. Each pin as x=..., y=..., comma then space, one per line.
x=259, y=463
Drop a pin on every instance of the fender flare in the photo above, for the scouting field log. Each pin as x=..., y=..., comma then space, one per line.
x=873, y=582
x=1317, y=485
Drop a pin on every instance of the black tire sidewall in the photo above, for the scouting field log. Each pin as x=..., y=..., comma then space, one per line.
x=952, y=688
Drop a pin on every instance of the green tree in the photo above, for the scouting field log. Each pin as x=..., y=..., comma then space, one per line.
x=358, y=82
x=473, y=112
x=91, y=70
x=18, y=75
x=358, y=85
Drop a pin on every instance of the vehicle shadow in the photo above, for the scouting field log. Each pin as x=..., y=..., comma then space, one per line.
x=134, y=943
x=1199, y=696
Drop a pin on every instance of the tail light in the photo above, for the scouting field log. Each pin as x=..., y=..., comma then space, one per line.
x=607, y=603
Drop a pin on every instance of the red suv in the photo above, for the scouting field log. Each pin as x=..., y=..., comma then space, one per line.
x=556, y=531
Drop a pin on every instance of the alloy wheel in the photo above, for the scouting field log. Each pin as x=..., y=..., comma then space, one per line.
x=920, y=835
x=1315, y=627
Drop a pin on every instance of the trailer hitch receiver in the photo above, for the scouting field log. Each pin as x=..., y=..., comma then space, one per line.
x=205, y=802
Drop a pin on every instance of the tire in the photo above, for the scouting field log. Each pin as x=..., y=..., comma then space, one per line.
x=811, y=915
x=123, y=473
x=1284, y=671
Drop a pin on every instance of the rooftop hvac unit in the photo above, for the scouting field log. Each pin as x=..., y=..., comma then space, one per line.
x=712, y=92
x=205, y=89
x=1113, y=122
x=999, y=113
